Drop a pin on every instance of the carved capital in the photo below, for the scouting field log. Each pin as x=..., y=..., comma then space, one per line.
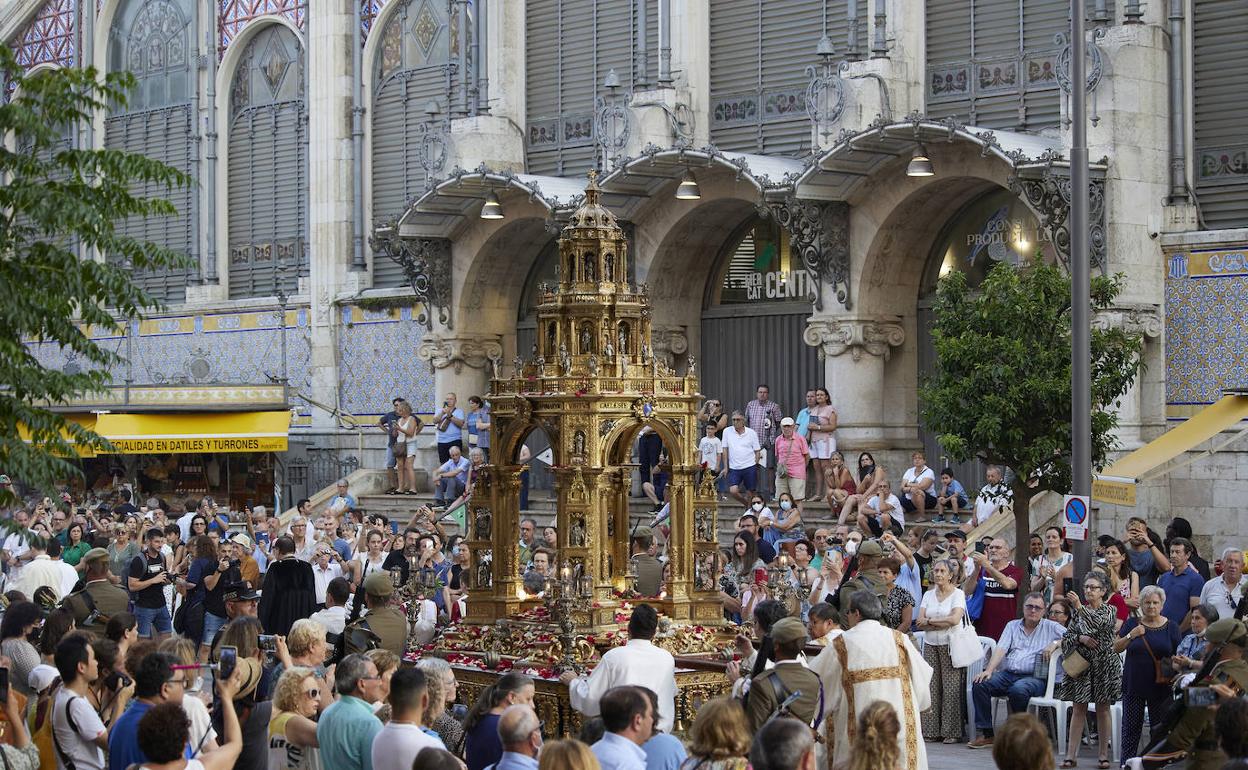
x=443, y=350
x=426, y=264
x=669, y=341
x=1144, y=320
x=819, y=231
x=856, y=336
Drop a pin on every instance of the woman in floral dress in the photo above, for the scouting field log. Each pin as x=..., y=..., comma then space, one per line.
x=1091, y=633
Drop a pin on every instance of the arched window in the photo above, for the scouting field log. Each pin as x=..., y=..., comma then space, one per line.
x=268, y=166
x=151, y=39
x=414, y=78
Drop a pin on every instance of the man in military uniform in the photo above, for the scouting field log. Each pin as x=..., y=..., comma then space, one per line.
x=648, y=569
x=1193, y=733
x=383, y=621
x=771, y=687
x=868, y=577
x=99, y=599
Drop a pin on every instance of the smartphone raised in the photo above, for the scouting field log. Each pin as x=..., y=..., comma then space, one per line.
x=1200, y=696
x=1068, y=585
x=4, y=685
x=227, y=661
x=979, y=547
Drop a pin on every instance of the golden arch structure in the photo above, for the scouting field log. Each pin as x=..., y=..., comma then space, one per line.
x=592, y=383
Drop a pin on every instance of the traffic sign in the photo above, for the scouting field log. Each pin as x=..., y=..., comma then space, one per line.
x=1075, y=516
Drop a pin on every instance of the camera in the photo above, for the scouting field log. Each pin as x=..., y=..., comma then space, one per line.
x=116, y=681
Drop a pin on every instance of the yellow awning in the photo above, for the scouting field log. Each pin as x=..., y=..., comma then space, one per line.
x=1116, y=484
x=196, y=432
x=85, y=420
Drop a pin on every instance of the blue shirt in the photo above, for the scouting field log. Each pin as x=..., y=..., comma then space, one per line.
x=463, y=466
x=482, y=746
x=483, y=434
x=345, y=734
x=1180, y=589
x=803, y=423
x=348, y=498
x=616, y=753
x=514, y=761
x=664, y=752
x=1022, y=648
x=123, y=741
x=957, y=490
x=453, y=432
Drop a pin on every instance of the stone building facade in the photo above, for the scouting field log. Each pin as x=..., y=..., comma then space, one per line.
x=345, y=155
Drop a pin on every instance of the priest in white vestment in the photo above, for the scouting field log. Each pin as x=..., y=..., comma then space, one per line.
x=638, y=663
x=871, y=662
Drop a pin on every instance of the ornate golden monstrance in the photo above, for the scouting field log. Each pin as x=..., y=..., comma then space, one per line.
x=592, y=382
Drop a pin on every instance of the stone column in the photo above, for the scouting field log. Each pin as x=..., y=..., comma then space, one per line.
x=1139, y=415
x=461, y=362
x=330, y=26
x=855, y=349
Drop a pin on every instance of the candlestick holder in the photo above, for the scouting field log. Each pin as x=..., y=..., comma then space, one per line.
x=560, y=599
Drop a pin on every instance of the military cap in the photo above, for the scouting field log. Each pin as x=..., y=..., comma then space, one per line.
x=240, y=592
x=642, y=532
x=95, y=554
x=788, y=630
x=1226, y=630
x=870, y=548
x=378, y=584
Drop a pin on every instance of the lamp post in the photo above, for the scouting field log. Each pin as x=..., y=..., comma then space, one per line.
x=1080, y=275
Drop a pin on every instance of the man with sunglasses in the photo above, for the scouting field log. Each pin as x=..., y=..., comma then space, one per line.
x=1011, y=671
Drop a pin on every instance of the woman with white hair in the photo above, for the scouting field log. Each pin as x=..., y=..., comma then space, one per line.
x=1145, y=680
x=439, y=716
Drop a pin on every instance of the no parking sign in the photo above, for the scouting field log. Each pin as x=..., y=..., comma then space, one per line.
x=1075, y=515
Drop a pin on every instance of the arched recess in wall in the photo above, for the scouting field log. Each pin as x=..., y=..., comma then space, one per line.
x=151, y=40
x=413, y=80
x=758, y=299
x=268, y=165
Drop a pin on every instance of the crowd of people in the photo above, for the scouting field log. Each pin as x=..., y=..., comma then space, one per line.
x=177, y=634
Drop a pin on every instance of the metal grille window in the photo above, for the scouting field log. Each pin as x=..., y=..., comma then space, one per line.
x=415, y=78
x=151, y=39
x=993, y=63
x=570, y=46
x=760, y=50
x=1221, y=70
x=268, y=166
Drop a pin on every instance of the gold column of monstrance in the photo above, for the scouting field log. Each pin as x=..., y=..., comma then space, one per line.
x=592, y=383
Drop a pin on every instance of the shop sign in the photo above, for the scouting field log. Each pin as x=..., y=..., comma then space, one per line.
x=778, y=285
x=200, y=444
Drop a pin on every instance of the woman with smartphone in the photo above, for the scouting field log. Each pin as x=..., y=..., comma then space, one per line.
x=1090, y=635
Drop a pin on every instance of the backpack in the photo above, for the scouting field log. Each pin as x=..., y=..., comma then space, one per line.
x=42, y=735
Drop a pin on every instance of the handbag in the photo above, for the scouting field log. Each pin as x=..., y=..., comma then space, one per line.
x=1074, y=664
x=1163, y=668
x=964, y=646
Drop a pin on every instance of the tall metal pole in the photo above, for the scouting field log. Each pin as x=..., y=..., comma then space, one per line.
x=357, y=139
x=1080, y=275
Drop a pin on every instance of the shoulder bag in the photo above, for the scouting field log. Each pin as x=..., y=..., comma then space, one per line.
x=964, y=646
x=1163, y=668
x=1075, y=663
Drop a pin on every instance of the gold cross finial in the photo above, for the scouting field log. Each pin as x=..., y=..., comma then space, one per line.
x=593, y=176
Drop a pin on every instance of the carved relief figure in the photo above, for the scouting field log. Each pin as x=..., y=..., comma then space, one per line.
x=578, y=444
x=609, y=267
x=587, y=338
x=481, y=523
x=593, y=365
x=576, y=537
x=704, y=525
x=565, y=359
x=550, y=337
x=625, y=337
x=590, y=272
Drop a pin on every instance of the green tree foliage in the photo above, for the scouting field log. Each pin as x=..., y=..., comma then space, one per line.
x=55, y=203
x=1001, y=390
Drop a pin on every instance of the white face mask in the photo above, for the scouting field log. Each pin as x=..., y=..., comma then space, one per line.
x=757, y=506
x=785, y=505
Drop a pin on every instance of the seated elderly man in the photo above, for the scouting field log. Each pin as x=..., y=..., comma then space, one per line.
x=1011, y=671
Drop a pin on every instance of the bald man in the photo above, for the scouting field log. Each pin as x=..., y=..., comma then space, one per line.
x=520, y=731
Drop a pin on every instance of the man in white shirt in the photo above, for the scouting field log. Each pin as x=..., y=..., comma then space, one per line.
x=395, y=747
x=993, y=498
x=69, y=575
x=884, y=513
x=78, y=731
x=1226, y=591
x=41, y=570
x=742, y=454
x=337, y=598
x=325, y=568
x=918, y=485
x=16, y=547
x=638, y=662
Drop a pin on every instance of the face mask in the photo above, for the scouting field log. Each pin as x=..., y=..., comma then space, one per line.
x=757, y=506
x=785, y=505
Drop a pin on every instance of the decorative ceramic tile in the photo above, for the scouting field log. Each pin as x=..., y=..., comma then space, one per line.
x=377, y=361
x=1206, y=325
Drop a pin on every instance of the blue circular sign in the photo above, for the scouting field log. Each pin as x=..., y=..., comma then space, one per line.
x=1076, y=511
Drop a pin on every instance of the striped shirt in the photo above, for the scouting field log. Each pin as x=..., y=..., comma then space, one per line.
x=1022, y=648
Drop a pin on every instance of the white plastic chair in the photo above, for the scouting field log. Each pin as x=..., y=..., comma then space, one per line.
x=1115, y=721
x=1061, y=708
x=987, y=644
